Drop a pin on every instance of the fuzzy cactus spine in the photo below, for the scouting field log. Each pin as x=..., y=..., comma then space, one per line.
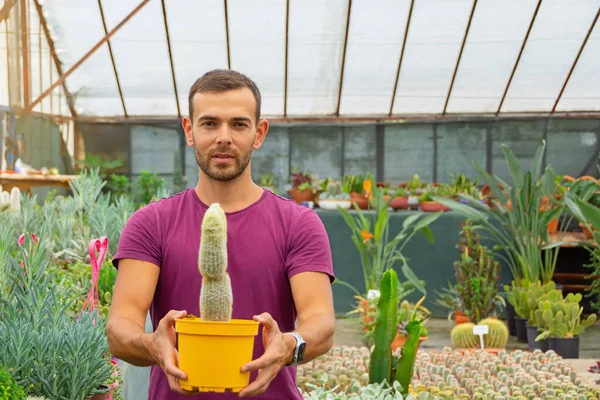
x=216, y=297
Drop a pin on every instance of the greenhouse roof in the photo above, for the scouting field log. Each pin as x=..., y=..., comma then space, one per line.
x=323, y=59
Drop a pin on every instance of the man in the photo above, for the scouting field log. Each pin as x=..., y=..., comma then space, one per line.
x=279, y=256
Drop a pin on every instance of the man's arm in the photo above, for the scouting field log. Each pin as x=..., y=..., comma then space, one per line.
x=313, y=298
x=133, y=293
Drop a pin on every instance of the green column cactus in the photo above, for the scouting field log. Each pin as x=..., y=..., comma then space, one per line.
x=384, y=365
x=380, y=368
x=216, y=297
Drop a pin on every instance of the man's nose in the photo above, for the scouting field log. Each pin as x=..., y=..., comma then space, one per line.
x=224, y=135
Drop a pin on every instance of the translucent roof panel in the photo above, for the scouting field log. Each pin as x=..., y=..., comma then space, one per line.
x=492, y=47
x=198, y=42
x=257, y=47
x=142, y=57
x=316, y=39
x=374, y=44
x=75, y=32
x=583, y=89
x=553, y=44
x=433, y=43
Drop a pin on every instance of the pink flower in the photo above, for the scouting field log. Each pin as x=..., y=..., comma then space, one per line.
x=34, y=238
x=21, y=239
x=116, y=384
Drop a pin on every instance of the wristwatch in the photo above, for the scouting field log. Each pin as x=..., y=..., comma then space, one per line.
x=299, y=350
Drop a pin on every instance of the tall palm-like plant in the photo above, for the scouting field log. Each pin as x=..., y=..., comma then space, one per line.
x=379, y=251
x=519, y=217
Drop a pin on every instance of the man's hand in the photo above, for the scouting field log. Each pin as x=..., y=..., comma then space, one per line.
x=162, y=348
x=278, y=352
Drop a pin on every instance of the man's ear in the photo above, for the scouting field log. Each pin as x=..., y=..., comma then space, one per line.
x=187, y=128
x=261, y=133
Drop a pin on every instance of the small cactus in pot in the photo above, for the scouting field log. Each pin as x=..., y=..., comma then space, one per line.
x=213, y=348
x=333, y=197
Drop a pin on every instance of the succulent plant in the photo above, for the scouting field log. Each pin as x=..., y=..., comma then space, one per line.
x=216, y=298
x=448, y=374
x=563, y=318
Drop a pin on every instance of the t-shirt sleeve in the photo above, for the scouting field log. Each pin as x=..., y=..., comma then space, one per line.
x=140, y=238
x=309, y=248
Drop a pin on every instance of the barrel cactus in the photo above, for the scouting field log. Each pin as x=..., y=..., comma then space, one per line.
x=497, y=337
x=216, y=297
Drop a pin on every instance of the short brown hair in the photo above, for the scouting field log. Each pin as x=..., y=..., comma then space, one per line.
x=220, y=80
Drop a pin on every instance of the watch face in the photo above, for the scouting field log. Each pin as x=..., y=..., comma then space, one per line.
x=301, y=351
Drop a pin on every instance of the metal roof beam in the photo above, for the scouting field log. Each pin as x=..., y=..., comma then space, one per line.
x=339, y=100
x=112, y=58
x=410, y=10
x=164, y=12
x=512, y=74
x=227, y=34
x=5, y=10
x=64, y=76
x=576, y=60
x=287, y=31
x=462, y=47
x=25, y=53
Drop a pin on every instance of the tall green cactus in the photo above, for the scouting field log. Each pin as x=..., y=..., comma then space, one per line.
x=380, y=368
x=384, y=366
x=216, y=297
x=406, y=365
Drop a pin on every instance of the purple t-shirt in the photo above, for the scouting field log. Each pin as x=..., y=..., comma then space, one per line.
x=268, y=242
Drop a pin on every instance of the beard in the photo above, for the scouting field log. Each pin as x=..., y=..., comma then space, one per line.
x=223, y=173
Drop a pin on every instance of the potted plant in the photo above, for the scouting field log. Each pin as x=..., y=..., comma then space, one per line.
x=333, y=197
x=304, y=186
x=213, y=347
x=519, y=231
x=449, y=298
x=564, y=324
x=408, y=312
x=362, y=191
x=427, y=202
x=477, y=276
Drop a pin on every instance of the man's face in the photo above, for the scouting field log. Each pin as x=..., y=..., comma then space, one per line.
x=224, y=132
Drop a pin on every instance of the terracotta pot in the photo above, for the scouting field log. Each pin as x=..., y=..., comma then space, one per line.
x=460, y=317
x=105, y=395
x=588, y=234
x=399, y=203
x=300, y=196
x=361, y=201
x=400, y=339
x=432, y=206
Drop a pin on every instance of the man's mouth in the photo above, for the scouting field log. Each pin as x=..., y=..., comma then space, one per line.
x=222, y=155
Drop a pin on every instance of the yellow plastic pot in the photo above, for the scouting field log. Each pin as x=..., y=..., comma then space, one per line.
x=212, y=353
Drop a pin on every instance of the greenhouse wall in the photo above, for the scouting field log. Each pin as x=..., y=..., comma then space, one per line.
x=392, y=152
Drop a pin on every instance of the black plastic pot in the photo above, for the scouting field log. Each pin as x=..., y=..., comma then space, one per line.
x=510, y=319
x=521, y=325
x=532, y=333
x=565, y=347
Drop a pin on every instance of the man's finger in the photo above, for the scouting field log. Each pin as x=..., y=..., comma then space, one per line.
x=265, y=319
x=264, y=361
x=261, y=383
x=172, y=315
